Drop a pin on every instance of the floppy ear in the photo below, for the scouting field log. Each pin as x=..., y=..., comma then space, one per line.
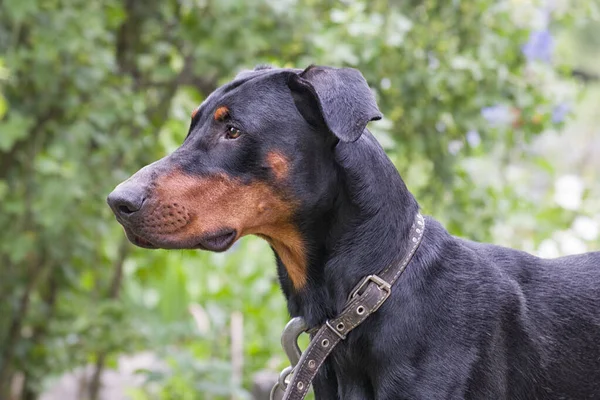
x=339, y=98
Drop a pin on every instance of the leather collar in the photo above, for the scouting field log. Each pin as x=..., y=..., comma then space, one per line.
x=366, y=298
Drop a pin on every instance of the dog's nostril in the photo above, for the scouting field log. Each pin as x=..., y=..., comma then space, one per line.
x=125, y=202
x=125, y=209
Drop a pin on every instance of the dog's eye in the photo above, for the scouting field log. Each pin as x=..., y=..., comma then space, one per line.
x=233, y=132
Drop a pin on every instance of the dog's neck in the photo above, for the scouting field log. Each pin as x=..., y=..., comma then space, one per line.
x=365, y=229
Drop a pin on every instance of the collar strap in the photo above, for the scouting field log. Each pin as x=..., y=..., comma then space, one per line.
x=364, y=300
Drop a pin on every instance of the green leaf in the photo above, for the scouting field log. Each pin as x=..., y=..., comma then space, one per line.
x=13, y=129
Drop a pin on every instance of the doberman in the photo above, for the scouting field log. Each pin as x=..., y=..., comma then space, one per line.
x=284, y=154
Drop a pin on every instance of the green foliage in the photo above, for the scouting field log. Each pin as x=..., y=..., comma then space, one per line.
x=92, y=91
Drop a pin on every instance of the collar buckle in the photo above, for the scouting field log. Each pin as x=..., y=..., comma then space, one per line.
x=382, y=284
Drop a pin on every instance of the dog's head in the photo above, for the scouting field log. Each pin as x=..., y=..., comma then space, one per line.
x=258, y=156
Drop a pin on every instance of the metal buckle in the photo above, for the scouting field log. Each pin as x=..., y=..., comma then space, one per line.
x=280, y=386
x=383, y=285
x=289, y=342
x=289, y=339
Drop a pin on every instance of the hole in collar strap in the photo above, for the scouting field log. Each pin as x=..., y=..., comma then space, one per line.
x=336, y=331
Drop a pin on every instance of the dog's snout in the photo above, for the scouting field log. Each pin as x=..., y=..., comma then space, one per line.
x=125, y=201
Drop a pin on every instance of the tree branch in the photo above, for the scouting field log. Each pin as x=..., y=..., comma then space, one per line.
x=113, y=293
x=14, y=330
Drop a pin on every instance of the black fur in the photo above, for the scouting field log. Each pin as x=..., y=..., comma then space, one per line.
x=465, y=320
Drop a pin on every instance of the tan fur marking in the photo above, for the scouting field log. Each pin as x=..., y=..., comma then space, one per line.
x=221, y=113
x=288, y=244
x=279, y=165
x=195, y=112
x=219, y=202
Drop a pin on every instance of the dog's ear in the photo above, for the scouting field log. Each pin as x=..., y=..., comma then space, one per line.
x=338, y=98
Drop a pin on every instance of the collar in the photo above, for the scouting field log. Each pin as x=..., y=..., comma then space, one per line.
x=365, y=299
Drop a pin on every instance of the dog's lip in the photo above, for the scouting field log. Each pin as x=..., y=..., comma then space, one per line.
x=139, y=241
x=218, y=241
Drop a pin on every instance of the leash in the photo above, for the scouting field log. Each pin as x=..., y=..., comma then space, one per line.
x=364, y=300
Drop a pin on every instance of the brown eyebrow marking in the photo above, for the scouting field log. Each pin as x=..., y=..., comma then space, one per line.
x=195, y=112
x=221, y=113
x=279, y=164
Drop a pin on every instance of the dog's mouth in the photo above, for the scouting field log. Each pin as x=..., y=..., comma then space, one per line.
x=218, y=241
x=138, y=240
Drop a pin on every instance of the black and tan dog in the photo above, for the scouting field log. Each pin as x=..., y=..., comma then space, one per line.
x=284, y=154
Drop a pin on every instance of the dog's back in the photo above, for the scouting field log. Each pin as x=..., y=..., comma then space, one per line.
x=559, y=313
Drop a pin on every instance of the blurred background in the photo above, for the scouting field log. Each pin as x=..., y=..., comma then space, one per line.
x=492, y=116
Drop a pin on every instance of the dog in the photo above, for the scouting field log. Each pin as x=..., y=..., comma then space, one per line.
x=284, y=154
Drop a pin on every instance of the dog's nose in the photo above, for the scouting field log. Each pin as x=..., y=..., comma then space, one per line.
x=125, y=201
